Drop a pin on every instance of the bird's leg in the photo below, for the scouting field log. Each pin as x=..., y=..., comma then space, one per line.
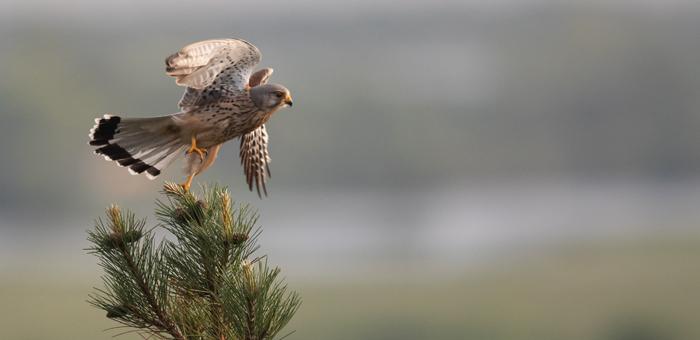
x=188, y=182
x=194, y=148
x=202, y=155
x=211, y=157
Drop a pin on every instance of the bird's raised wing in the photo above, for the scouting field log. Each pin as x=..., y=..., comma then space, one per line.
x=227, y=61
x=255, y=158
x=260, y=77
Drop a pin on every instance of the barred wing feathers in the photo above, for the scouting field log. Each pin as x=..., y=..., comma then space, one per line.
x=255, y=158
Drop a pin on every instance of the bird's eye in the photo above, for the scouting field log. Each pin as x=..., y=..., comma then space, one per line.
x=279, y=94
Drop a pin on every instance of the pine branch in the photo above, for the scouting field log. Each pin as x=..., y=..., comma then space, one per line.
x=202, y=284
x=258, y=303
x=131, y=298
x=162, y=321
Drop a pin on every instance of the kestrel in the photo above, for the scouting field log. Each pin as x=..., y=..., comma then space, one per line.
x=223, y=100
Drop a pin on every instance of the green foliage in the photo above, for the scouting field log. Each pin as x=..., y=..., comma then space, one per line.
x=204, y=284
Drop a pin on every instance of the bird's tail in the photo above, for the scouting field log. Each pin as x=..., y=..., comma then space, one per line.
x=140, y=144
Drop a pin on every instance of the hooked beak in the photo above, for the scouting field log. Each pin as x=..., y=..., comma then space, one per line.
x=288, y=100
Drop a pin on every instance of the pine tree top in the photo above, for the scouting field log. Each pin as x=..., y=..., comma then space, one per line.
x=205, y=283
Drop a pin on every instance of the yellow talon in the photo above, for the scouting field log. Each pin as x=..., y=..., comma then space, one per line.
x=202, y=153
x=188, y=182
x=194, y=148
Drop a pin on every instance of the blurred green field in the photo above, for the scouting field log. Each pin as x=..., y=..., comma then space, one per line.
x=620, y=290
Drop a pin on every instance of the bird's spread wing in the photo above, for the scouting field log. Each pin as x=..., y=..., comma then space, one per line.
x=198, y=65
x=224, y=63
x=255, y=158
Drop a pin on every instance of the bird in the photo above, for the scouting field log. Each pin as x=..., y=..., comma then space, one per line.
x=223, y=100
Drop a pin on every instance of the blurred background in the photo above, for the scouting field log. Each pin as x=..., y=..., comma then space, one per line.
x=471, y=169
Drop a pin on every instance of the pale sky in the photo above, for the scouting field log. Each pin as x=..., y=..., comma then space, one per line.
x=13, y=8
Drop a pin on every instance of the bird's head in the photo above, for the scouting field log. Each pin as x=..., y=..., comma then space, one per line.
x=270, y=97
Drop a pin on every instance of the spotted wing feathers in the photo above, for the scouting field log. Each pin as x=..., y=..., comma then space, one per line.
x=193, y=98
x=198, y=65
